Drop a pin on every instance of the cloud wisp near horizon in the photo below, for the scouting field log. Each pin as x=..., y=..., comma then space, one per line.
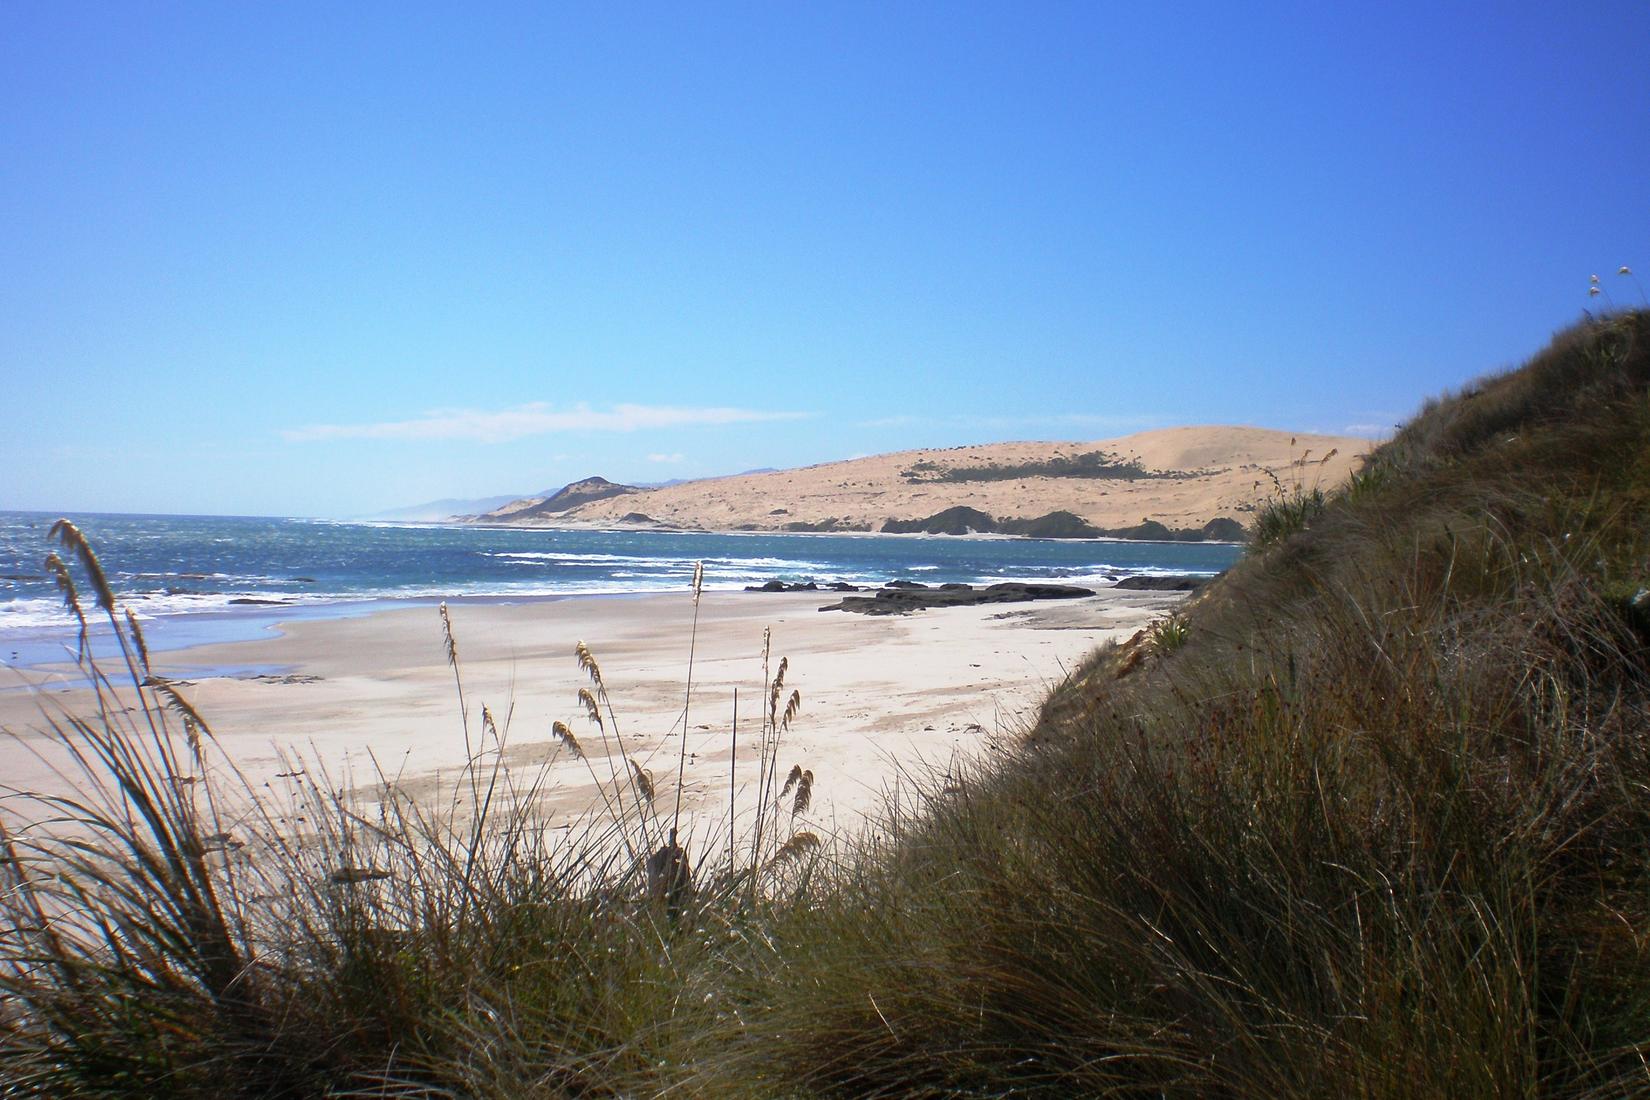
x=537, y=418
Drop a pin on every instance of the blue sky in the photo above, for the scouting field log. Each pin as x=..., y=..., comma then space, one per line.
x=334, y=259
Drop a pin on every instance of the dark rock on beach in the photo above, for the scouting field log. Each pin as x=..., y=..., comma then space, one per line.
x=1147, y=530
x=827, y=525
x=1055, y=525
x=783, y=586
x=1061, y=525
x=953, y=521
x=1163, y=584
x=1222, y=529
x=911, y=597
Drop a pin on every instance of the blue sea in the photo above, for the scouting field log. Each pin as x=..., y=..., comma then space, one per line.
x=197, y=579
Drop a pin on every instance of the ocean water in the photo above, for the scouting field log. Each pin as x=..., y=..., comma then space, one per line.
x=195, y=579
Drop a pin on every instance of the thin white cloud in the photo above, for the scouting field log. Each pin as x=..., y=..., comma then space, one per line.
x=537, y=418
x=676, y=457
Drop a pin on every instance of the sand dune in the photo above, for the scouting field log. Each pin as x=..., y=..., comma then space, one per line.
x=1187, y=477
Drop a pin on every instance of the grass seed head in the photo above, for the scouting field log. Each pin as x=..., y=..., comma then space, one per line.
x=797, y=845
x=777, y=687
x=587, y=664
x=560, y=731
x=69, y=536
x=182, y=707
x=592, y=709
x=644, y=781
x=137, y=639
x=447, y=635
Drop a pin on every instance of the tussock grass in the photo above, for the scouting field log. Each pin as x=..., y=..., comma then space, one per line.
x=1372, y=819
x=1292, y=507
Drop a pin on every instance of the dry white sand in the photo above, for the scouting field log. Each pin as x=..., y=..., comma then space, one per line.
x=884, y=698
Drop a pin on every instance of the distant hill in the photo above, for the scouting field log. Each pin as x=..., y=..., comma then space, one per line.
x=563, y=500
x=1174, y=483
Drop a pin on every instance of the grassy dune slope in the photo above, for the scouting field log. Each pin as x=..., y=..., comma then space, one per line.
x=1371, y=819
x=1376, y=822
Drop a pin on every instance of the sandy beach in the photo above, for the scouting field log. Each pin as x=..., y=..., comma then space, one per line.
x=883, y=698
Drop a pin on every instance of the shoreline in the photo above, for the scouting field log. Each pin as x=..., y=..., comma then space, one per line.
x=881, y=697
x=35, y=628
x=665, y=529
x=625, y=529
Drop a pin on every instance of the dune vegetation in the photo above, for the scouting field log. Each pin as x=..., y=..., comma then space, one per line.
x=1369, y=817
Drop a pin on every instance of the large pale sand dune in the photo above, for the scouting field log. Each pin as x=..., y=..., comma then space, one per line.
x=883, y=698
x=1223, y=472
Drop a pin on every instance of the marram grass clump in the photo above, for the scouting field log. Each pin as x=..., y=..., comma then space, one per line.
x=169, y=931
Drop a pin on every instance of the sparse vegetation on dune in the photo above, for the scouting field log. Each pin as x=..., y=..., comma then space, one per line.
x=1370, y=817
x=1094, y=465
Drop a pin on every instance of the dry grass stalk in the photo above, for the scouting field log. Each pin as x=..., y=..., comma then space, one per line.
x=798, y=844
x=687, y=703
x=138, y=640
x=71, y=598
x=598, y=707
